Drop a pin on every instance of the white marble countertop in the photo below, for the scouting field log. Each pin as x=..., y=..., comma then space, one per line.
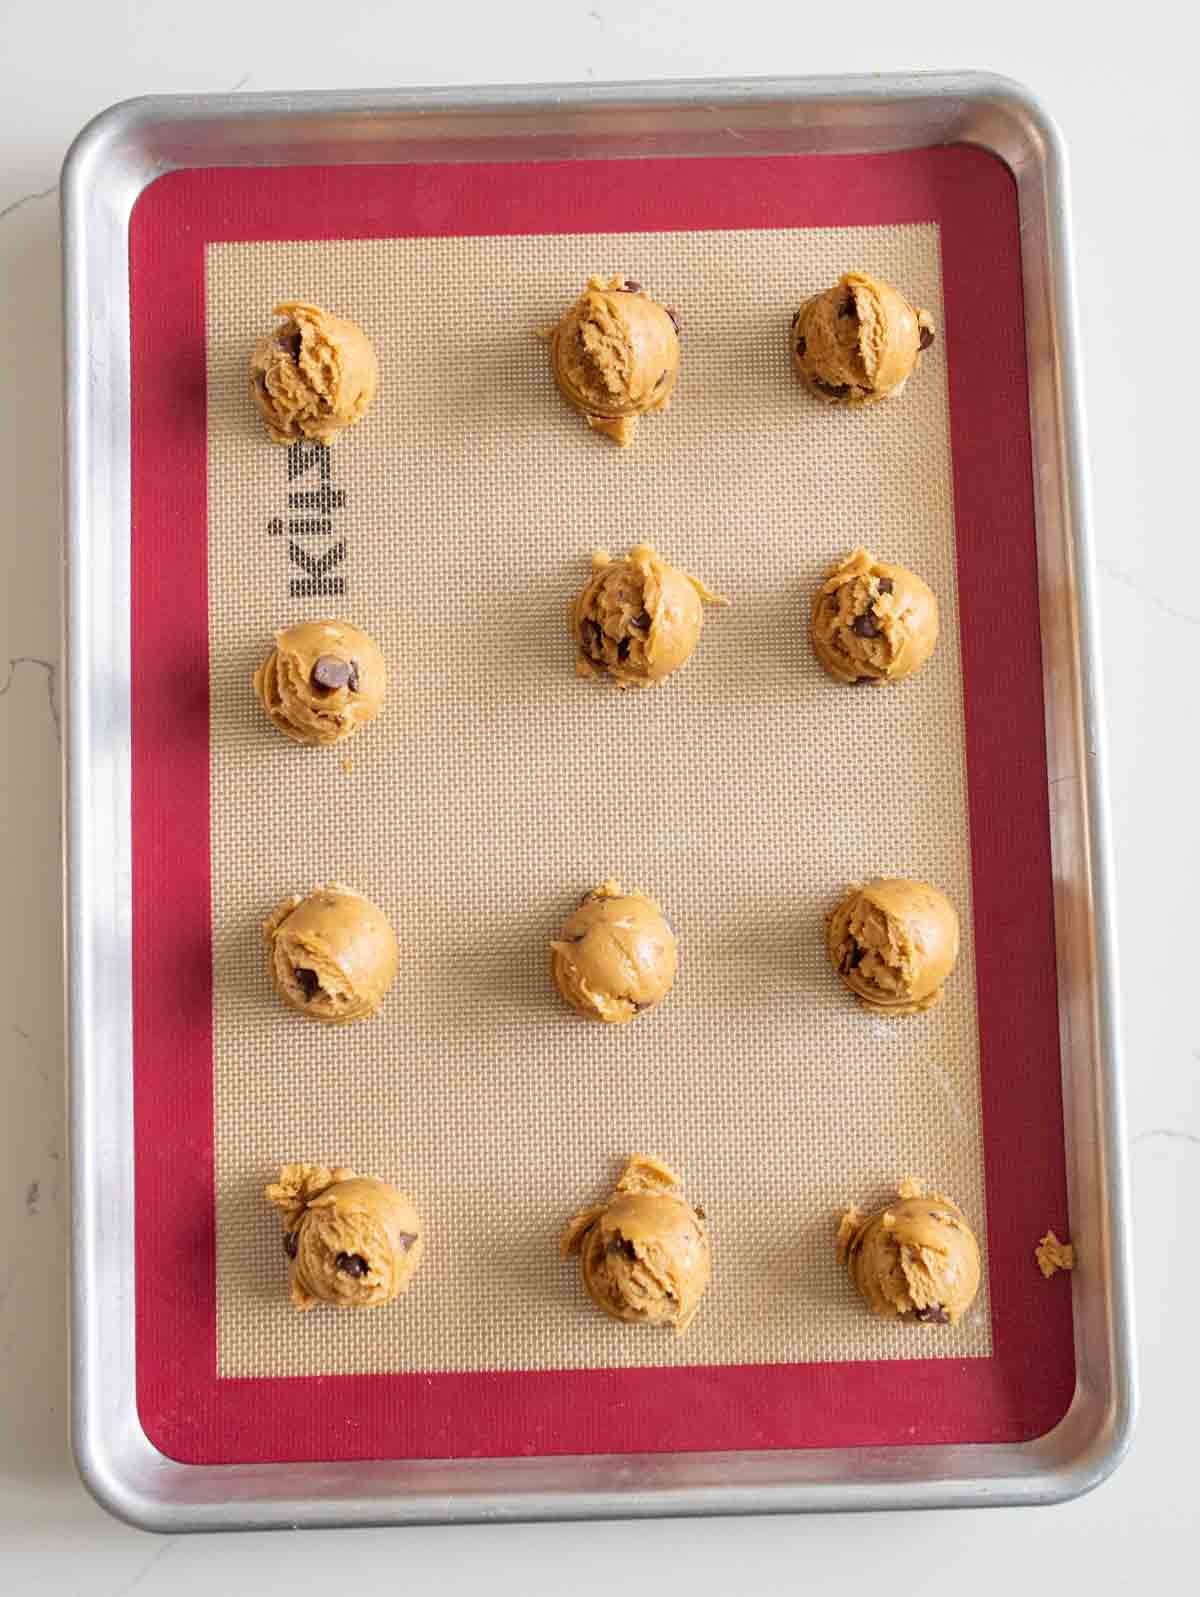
x=1123, y=89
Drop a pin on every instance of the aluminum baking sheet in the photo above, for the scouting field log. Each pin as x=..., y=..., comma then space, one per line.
x=466, y=144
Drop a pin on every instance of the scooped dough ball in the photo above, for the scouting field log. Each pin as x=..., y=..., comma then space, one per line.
x=894, y=942
x=858, y=341
x=314, y=376
x=644, y=1255
x=615, y=354
x=873, y=622
x=637, y=619
x=332, y=954
x=616, y=956
x=918, y=1256
x=322, y=681
x=350, y=1240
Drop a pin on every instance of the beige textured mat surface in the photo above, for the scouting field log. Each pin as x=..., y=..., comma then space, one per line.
x=497, y=788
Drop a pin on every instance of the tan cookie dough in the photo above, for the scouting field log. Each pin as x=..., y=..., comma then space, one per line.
x=1053, y=1255
x=615, y=355
x=894, y=942
x=314, y=376
x=637, y=619
x=322, y=681
x=858, y=341
x=917, y=1256
x=873, y=622
x=350, y=1240
x=332, y=954
x=616, y=956
x=644, y=1255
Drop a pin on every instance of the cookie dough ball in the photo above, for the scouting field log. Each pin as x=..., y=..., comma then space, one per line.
x=332, y=954
x=873, y=622
x=637, y=619
x=858, y=341
x=615, y=354
x=322, y=681
x=350, y=1240
x=894, y=942
x=314, y=376
x=916, y=1257
x=616, y=956
x=644, y=1255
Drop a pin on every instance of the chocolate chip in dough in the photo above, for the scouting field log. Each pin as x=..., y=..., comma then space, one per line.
x=631, y=287
x=935, y=1314
x=926, y=337
x=625, y=1248
x=641, y=621
x=801, y=343
x=865, y=625
x=292, y=343
x=592, y=638
x=351, y=1264
x=309, y=982
x=847, y=308
x=886, y=584
x=291, y=1244
x=795, y=317
x=331, y=673
x=834, y=390
x=623, y=649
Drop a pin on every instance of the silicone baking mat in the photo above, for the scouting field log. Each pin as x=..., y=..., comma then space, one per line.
x=453, y=524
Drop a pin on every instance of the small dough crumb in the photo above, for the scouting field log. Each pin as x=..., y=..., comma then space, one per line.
x=637, y=619
x=616, y=956
x=615, y=355
x=1053, y=1255
x=644, y=1254
x=916, y=1256
x=872, y=622
x=332, y=954
x=350, y=1240
x=859, y=341
x=894, y=943
x=322, y=681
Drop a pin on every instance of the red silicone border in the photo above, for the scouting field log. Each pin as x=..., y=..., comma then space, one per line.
x=1026, y=1386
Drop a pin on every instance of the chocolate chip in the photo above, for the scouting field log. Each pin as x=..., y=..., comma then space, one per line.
x=852, y=959
x=621, y=1246
x=331, y=673
x=865, y=625
x=858, y=681
x=801, y=343
x=796, y=317
x=623, y=649
x=631, y=287
x=262, y=382
x=926, y=337
x=886, y=584
x=292, y=343
x=662, y=379
x=935, y=1314
x=291, y=1244
x=847, y=308
x=641, y=621
x=674, y=315
x=834, y=390
x=351, y=1264
x=405, y=1240
x=592, y=636
x=310, y=983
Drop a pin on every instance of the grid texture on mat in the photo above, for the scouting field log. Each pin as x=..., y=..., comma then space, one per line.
x=497, y=788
